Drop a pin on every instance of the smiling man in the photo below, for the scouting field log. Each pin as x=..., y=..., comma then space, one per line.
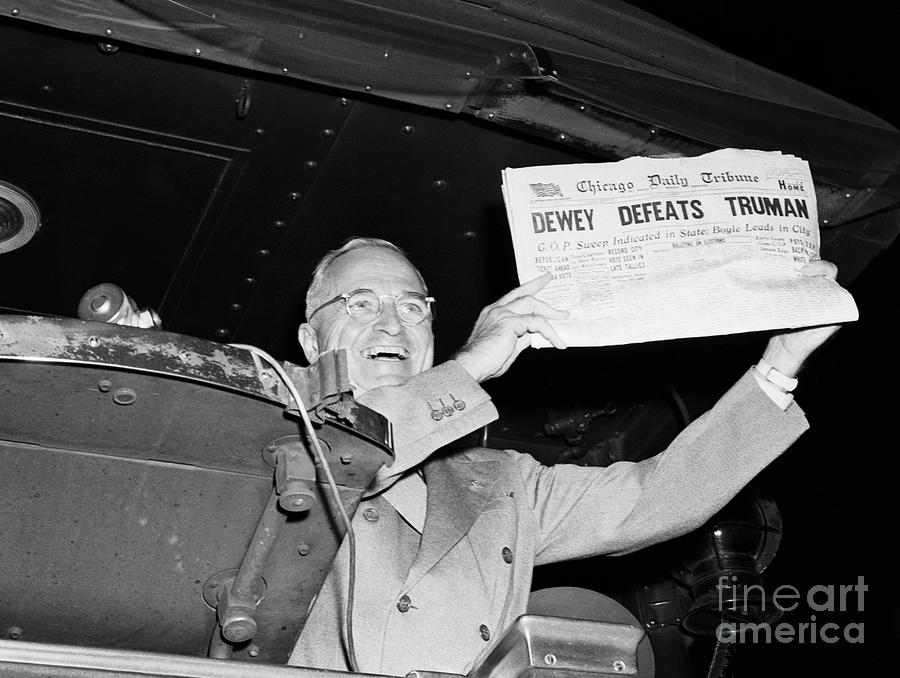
x=446, y=542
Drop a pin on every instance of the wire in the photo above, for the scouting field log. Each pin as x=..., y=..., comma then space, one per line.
x=326, y=468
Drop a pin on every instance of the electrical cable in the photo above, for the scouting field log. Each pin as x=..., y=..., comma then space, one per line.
x=351, y=537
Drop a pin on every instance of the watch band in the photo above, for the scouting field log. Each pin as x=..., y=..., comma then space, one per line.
x=773, y=376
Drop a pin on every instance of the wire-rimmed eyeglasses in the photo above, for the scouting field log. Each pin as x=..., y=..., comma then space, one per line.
x=364, y=305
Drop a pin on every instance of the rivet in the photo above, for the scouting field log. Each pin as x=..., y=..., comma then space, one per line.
x=346, y=459
x=46, y=88
x=847, y=195
x=124, y=396
x=310, y=164
x=253, y=650
x=824, y=221
x=468, y=74
x=485, y=632
x=284, y=70
x=344, y=101
x=300, y=36
x=107, y=47
x=184, y=356
x=198, y=52
x=263, y=253
x=303, y=549
x=439, y=184
x=550, y=659
x=279, y=223
x=408, y=129
x=368, y=88
x=249, y=280
x=108, y=32
x=104, y=385
x=582, y=107
x=295, y=195
x=562, y=137
x=618, y=666
x=448, y=106
x=469, y=235
x=490, y=116
x=15, y=12
x=260, y=131
x=14, y=632
x=371, y=514
x=222, y=332
x=653, y=130
x=327, y=133
x=93, y=342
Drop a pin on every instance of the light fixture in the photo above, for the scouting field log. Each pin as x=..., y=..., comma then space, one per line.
x=19, y=217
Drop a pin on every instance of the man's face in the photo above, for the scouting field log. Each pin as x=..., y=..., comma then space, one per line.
x=383, y=352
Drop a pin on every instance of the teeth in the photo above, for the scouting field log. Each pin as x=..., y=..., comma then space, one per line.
x=386, y=353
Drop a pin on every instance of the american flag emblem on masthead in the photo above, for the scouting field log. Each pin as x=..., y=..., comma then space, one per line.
x=546, y=190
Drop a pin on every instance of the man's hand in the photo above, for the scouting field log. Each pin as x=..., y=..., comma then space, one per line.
x=787, y=352
x=502, y=330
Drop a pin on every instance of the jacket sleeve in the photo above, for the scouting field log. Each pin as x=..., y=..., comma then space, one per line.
x=583, y=511
x=430, y=410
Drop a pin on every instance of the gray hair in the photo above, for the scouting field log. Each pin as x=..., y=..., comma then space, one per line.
x=317, y=292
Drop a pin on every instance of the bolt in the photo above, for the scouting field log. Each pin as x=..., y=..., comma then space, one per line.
x=549, y=659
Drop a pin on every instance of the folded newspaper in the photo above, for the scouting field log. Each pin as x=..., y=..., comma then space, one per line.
x=647, y=249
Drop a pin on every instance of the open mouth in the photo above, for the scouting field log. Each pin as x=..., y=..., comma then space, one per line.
x=389, y=353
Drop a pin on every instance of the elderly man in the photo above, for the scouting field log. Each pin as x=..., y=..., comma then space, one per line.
x=446, y=544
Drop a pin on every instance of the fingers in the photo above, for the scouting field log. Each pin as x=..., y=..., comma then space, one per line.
x=526, y=305
x=820, y=267
x=526, y=289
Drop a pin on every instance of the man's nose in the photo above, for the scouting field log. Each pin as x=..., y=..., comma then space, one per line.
x=389, y=321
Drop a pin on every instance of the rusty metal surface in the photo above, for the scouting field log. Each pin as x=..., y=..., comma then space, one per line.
x=125, y=487
x=46, y=340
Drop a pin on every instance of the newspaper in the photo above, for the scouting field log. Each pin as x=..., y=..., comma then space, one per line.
x=647, y=249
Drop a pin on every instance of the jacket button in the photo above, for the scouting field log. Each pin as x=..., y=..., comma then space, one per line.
x=459, y=405
x=403, y=603
x=437, y=415
x=370, y=514
x=507, y=555
x=448, y=411
x=485, y=632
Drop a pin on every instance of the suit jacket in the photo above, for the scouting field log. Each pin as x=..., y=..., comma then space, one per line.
x=440, y=601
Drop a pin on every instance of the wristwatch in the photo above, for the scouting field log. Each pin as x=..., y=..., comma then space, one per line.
x=776, y=378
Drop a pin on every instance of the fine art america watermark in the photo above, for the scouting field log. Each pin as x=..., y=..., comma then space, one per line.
x=736, y=599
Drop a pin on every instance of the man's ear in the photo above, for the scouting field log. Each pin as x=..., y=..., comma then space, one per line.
x=309, y=341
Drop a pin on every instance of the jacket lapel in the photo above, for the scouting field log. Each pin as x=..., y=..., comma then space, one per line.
x=457, y=492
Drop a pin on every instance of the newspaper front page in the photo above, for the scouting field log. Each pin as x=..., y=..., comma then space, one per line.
x=647, y=249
